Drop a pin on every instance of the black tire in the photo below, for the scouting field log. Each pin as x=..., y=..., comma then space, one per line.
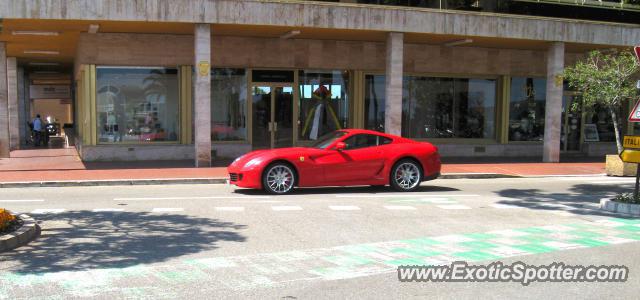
x=406, y=175
x=279, y=178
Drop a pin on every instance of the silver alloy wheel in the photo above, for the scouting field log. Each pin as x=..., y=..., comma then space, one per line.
x=407, y=175
x=280, y=179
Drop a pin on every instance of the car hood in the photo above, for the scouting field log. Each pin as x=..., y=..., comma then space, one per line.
x=270, y=154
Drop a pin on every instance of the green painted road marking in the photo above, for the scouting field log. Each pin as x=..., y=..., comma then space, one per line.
x=476, y=255
x=416, y=252
x=534, y=248
x=162, y=280
x=479, y=245
x=422, y=241
x=631, y=228
x=348, y=260
x=405, y=262
x=535, y=230
x=481, y=236
x=589, y=242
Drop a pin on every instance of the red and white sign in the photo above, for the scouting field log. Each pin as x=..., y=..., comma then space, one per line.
x=635, y=113
x=636, y=49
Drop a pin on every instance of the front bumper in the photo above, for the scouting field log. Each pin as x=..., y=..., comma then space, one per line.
x=245, y=178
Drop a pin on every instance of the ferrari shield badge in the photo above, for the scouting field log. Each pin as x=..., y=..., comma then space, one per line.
x=301, y=158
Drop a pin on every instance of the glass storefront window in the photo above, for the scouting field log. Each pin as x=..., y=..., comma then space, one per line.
x=598, y=125
x=374, y=102
x=527, y=109
x=137, y=105
x=324, y=103
x=228, y=105
x=435, y=107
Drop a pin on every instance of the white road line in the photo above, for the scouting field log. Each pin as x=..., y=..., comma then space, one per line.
x=611, y=182
x=230, y=208
x=108, y=209
x=504, y=206
x=286, y=208
x=343, y=207
x=453, y=206
x=42, y=211
x=404, y=195
x=399, y=207
x=561, y=213
x=191, y=198
x=437, y=200
x=167, y=209
x=25, y=200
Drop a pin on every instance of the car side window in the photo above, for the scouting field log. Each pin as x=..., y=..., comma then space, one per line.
x=361, y=141
x=384, y=140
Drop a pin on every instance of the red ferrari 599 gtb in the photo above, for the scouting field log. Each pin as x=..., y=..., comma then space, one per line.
x=342, y=158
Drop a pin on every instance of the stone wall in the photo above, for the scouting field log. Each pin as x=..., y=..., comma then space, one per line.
x=135, y=152
x=292, y=13
x=246, y=52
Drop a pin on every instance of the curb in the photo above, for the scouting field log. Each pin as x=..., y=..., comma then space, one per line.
x=26, y=233
x=476, y=176
x=617, y=207
x=71, y=183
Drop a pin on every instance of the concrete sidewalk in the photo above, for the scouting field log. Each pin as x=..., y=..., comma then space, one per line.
x=62, y=167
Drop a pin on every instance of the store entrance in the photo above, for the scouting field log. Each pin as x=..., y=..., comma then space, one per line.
x=571, y=124
x=272, y=116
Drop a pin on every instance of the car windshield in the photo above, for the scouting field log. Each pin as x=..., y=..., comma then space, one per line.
x=327, y=139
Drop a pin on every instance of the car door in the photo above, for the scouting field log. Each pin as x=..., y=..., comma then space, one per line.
x=361, y=160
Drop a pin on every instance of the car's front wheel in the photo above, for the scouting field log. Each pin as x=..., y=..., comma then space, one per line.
x=279, y=178
x=406, y=175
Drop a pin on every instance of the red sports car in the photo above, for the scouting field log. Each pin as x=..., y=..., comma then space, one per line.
x=341, y=158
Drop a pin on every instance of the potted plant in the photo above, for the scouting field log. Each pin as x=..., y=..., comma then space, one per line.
x=606, y=79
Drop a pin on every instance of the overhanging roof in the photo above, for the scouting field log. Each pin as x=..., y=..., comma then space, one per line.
x=310, y=14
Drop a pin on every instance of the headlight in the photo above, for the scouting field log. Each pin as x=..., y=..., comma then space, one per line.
x=252, y=163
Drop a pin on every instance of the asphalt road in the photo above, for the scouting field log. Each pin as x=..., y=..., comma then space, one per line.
x=213, y=241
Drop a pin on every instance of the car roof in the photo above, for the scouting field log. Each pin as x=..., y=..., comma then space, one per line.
x=366, y=131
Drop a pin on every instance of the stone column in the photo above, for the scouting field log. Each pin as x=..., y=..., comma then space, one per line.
x=202, y=94
x=22, y=111
x=12, y=94
x=393, y=83
x=4, y=107
x=553, y=109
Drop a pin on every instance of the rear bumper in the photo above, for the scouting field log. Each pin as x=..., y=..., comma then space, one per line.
x=431, y=177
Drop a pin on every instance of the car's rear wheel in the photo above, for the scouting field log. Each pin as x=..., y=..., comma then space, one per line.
x=279, y=178
x=406, y=175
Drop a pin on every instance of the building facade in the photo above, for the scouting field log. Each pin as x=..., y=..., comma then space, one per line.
x=196, y=79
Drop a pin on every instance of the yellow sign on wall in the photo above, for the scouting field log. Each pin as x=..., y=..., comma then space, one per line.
x=204, y=68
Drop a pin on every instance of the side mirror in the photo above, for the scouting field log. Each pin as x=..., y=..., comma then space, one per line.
x=340, y=146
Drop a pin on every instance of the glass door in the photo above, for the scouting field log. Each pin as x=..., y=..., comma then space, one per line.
x=571, y=125
x=283, y=117
x=261, y=119
x=272, y=110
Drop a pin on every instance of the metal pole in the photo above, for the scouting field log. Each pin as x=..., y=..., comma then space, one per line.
x=635, y=192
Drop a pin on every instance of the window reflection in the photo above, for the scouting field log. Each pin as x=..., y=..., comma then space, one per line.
x=137, y=104
x=448, y=107
x=527, y=109
x=374, y=102
x=324, y=103
x=228, y=105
